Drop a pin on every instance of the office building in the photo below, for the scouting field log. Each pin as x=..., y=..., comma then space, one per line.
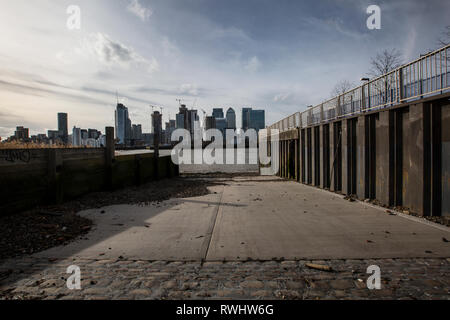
x=148, y=139
x=183, y=118
x=245, y=118
x=76, y=137
x=218, y=113
x=136, y=132
x=123, y=124
x=231, y=119
x=221, y=124
x=180, y=121
x=157, y=124
x=54, y=136
x=253, y=119
x=84, y=134
x=192, y=119
x=63, y=127
x=210, y=123
x=94, y=134
x=257, y=120
x=22, y=133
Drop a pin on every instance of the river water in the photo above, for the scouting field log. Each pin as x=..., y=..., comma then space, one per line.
x=249, y=166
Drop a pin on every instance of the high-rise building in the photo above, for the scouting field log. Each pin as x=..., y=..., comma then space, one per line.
x=136, y=132
x=245, y=118
x=170, y=128
x=180, y=121
x=41, y=138
x=148, y=139
x=210, y=123
x=253, y=119
x=54, y=135
x=218, y=113
x=128, y=131
x=184, y=116
x=22, y=133
x=231, y=119
x=84, y=135
x=63, y=127
x=156, y=123
x=94, y=134
x=76, y=137
x=192, y=118
x=188, y=118
x=257, y=120
x=123, y=124
x=221, y=124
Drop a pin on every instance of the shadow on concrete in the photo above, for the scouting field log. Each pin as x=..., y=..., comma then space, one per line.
x=156, y=231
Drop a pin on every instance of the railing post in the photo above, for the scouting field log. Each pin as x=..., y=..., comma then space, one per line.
x=322, y=118
x=363, y=99
x=400, y=83
x=420, y=78
x=338, y=107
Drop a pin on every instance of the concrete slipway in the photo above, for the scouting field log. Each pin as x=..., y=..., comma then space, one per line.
x=257, y=218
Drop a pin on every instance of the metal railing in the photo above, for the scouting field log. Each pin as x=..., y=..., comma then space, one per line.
x=426, y=76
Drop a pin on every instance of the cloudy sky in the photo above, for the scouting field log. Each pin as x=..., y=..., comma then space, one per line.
x=276, y=55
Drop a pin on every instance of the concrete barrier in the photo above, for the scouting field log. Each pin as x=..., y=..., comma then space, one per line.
x=30, y=177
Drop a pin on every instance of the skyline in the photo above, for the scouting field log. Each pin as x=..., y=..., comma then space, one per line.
x=256, y=54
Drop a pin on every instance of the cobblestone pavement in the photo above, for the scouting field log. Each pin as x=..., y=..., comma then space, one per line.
x=29, y=278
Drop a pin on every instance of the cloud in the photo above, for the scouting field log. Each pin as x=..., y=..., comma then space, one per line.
x=282, y=97
x=140, y=11
x=114, y=53
x=334, y=25
x=189, y=89
x=112, y=93
x=230, y=33
x=6, y=132
x=253, y=64
x=33, y=90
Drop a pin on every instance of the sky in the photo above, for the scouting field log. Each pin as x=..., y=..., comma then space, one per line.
x=280, y=56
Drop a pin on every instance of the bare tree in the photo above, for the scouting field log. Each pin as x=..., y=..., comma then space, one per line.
x=384, y=62
x=445, y=38
x=443, y=41
x=342, y=87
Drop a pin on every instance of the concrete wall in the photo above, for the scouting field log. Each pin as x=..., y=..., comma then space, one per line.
x=398, y=156
x=44, y=176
